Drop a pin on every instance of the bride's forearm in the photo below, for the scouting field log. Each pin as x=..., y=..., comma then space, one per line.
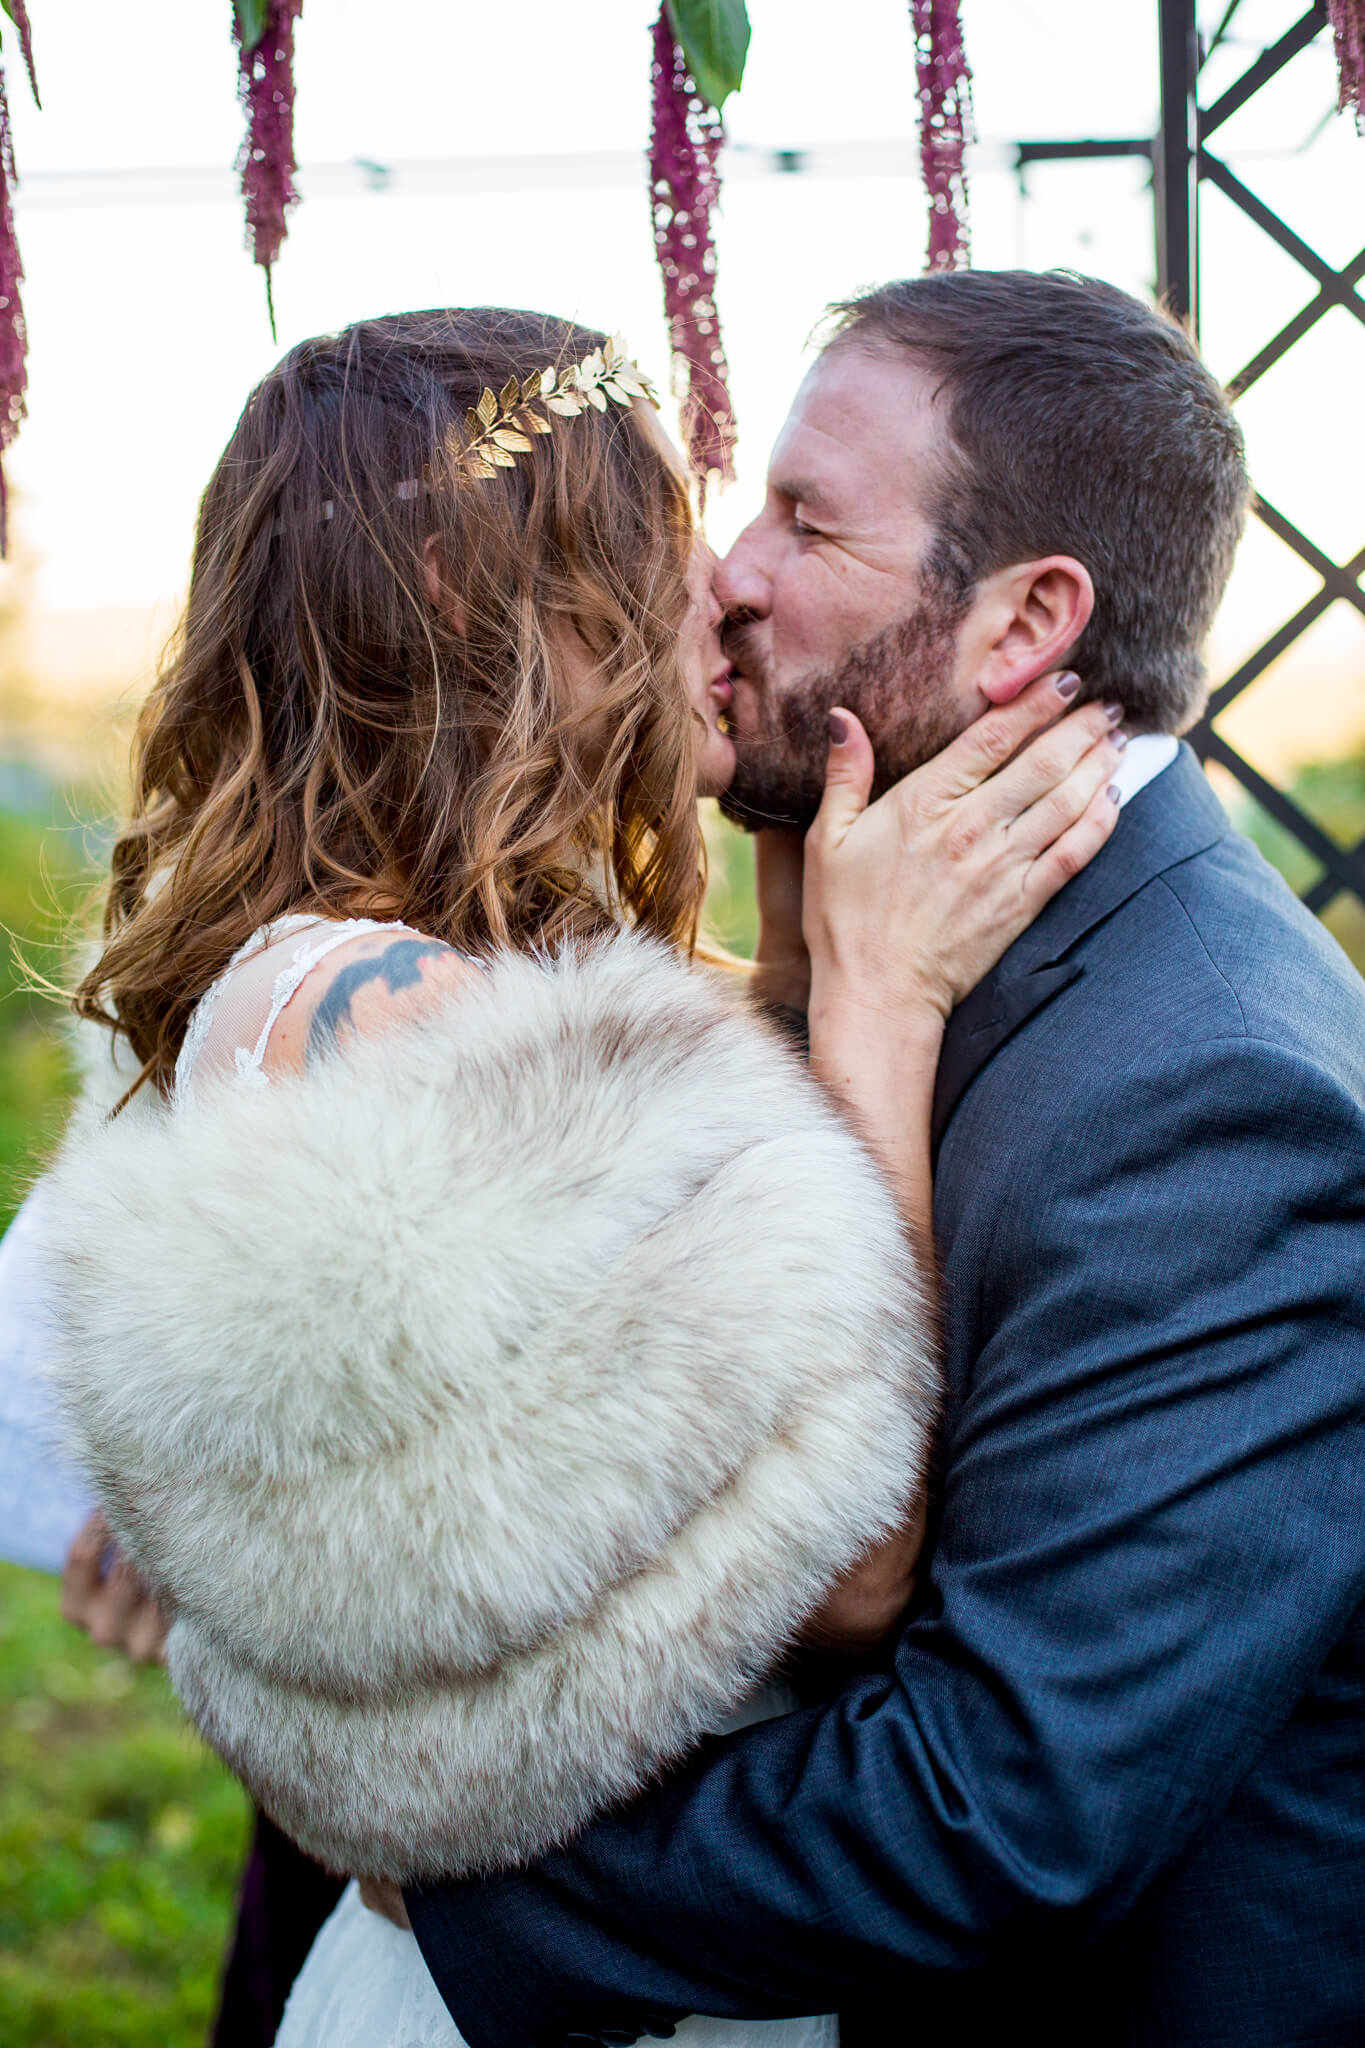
x=880, y=1066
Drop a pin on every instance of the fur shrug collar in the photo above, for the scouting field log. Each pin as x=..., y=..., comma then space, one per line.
x=489, y=1406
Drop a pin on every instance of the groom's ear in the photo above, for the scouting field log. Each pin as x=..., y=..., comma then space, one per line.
x=1024, y=621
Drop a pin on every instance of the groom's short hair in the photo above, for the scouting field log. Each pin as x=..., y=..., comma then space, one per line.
x=1080, y=422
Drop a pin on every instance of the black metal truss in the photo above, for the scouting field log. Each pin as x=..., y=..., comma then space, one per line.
x=1342, y=868
x=1181, y=161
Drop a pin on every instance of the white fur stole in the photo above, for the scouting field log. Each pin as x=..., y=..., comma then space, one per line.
x=491, y=1404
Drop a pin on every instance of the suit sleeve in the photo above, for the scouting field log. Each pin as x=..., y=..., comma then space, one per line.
x=1151, y=1537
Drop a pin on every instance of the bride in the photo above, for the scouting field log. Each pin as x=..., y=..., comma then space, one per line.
x=489, y=1343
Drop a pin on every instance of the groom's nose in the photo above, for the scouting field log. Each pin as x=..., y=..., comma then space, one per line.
x=742, y=582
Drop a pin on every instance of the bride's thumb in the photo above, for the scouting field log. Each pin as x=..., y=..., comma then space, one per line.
x=848, y=775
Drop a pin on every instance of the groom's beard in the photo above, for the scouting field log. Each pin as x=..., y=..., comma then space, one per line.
x=898, y=683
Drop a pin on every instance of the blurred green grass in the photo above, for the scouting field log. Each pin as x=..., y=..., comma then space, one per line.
x=121, y=1837
x=43, y=872
x=731, y=915
x=121, y=1840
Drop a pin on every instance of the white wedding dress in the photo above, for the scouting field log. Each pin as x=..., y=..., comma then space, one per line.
x=365, y=1984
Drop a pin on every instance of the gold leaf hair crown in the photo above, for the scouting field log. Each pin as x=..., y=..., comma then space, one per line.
x=502, y=424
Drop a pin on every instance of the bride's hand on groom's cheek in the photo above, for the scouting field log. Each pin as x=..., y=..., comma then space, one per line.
x=910, y=901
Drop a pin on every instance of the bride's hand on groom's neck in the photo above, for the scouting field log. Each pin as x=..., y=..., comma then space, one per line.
x=910, y=900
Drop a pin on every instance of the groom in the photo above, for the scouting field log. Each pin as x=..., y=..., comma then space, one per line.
x=1109, y=1785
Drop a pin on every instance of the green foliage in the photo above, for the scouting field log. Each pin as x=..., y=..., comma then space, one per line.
x=251, y=21
x=1332, y=793
x=715, y=39
x=731, y=915
x=7, y=6
x=121, y=1840
x=44, y=877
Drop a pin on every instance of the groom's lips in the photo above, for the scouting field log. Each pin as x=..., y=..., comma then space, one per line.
x=741, y=717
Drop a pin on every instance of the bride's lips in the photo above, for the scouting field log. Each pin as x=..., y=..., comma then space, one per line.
x=722, y=686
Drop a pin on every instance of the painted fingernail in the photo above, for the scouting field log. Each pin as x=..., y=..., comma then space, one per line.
x=1113, y=712
x=1118, y=739
x=1068, y=683
x=838, y=729
x=1113, y=793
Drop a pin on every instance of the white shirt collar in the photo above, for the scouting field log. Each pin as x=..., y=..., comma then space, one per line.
x=1143, y=759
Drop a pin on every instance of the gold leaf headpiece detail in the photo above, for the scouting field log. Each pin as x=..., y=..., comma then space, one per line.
x=503, y=423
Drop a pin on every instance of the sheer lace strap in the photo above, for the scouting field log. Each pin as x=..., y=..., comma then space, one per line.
x=196, y=1035
x=201, y=1016
x=246, y=1060
x=291, y=977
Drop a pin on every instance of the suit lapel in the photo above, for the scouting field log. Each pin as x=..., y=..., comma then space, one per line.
x=978, y=1028
x=1174, y=818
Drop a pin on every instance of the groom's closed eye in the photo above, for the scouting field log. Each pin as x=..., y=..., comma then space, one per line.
x=803, y=500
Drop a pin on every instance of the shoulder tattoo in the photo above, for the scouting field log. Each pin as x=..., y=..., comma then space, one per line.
x=399, y=967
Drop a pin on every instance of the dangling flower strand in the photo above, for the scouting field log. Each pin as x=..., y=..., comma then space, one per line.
x=945, y=86
x=13, y=333
x=684, y=185
x=264, y=31
x=1348, y=28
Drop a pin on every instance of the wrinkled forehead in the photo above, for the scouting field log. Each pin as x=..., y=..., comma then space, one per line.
x=866, y=439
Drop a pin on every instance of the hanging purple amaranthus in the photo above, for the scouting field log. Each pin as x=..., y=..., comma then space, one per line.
x=13, y=333
x=684, y=184
x=264, y=30
x=1348, y=27
x=945, y=102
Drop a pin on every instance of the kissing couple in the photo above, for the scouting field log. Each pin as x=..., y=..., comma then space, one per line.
x=754, y=1504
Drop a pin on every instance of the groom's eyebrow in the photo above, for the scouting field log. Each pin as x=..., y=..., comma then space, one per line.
x=801, y=491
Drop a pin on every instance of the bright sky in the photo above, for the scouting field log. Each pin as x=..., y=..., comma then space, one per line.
x=147, y=319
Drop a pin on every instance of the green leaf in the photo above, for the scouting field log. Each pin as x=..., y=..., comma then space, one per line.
x=8, y=8
x=715, y=39
x=250, y=20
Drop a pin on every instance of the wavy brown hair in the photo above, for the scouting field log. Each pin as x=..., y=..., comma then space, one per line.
x=375, y=702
